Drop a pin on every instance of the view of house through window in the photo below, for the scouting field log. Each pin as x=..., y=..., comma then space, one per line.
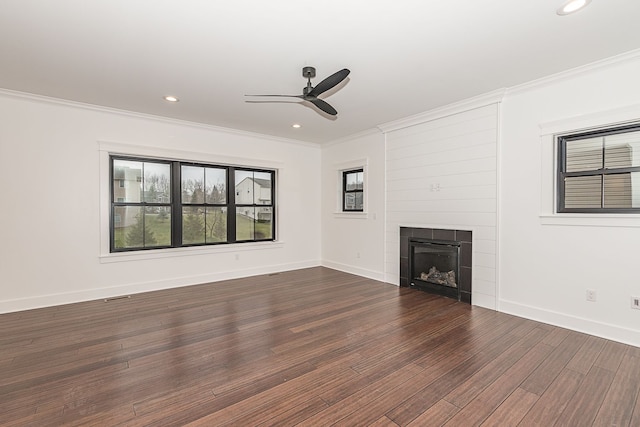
x=142, y=210
x=600, y=171
x=353, y=190
x=164, y=203
x=254, y=208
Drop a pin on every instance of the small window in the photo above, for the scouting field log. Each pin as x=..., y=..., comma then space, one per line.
x=353, y=190
x=599, y=171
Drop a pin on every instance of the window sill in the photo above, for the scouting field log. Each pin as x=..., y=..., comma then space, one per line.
x=188, y=251
x=591, y=220
x=351, y=215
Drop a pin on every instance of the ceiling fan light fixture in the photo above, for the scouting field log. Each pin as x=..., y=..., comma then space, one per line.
x=572, y=6
x=171, y=98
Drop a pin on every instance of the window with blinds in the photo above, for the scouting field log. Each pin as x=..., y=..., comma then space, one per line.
x=599, y=172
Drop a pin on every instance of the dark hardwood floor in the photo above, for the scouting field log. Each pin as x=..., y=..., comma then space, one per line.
x=313, y=347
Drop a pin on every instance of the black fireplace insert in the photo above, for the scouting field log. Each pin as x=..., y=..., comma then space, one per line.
x=434, y=266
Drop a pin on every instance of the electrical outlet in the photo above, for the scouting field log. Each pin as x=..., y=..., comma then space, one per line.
x=635, y=303
x=591, y=295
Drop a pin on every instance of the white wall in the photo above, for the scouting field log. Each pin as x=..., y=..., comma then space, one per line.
x=354, y=242
x=53, y=218
x=442, y=173
x=549, y=261
x=53, y=245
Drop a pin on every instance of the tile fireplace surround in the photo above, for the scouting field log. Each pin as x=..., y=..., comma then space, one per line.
x=461, y=236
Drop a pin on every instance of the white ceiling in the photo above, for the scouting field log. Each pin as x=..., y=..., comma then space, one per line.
x=405, y=56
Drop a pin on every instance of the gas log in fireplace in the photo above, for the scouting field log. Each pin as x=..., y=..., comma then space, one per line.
x=436, y=261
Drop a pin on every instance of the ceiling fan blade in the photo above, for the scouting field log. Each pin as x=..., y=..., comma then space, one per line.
x=286, y=96
x=322, y=105
x=329, y=82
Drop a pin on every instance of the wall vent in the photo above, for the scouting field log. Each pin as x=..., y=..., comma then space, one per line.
x=117, y=298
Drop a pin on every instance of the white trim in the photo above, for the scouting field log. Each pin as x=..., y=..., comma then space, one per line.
x=187, y=251
x=355, y=136
x=106, y=149
x=163, y=119
x=595, y=120
x=549, y=131
x=183, y=155
x=580, y=324
x=339, y=168
x=351, y=215
x=351, y=164
x=489, y=98
x=591, y=220
x=485, y=301
x=370, y=274
x=496, y=297
x=21, y=304
x=574, y=72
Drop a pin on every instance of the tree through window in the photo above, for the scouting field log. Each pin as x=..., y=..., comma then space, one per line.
x=167, y=203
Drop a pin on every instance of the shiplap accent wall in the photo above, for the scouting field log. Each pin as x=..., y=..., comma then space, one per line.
x=443, y=174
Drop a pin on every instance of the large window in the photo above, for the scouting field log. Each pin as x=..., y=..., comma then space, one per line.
x=165, y=203
x=599, y=171
x=353, y=190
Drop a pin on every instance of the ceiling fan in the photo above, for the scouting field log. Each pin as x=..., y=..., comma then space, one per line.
x=310, y=93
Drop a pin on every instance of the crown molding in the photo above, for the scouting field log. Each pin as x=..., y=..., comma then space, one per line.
x=619, y=116
x=632, y=55
x=444, y=111
x=353, y=137
x=161, y=119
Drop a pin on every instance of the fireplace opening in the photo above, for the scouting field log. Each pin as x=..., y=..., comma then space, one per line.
x=434, y=266
x=449, y=250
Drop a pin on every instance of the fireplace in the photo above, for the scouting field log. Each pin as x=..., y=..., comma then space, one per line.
x=436, y=261
x=434, y=267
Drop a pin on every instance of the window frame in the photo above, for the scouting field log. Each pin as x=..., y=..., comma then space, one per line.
x=561, y=173
x=345, y=191
x=255, y=205
x=143, y=204
x=204, y=204
x=176, y=205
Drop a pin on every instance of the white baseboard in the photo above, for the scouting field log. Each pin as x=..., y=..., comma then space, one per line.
x=369, y=274
x=599, y=329
x=483, y=300
x=9, y=306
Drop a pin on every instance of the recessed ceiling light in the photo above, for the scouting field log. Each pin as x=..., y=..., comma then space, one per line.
x=571, y=6
x=171, y=98
x=296, y=126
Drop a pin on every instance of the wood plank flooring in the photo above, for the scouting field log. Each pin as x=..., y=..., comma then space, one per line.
x=313, y=347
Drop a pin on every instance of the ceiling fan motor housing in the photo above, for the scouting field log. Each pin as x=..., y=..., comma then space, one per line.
x=308, y=72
